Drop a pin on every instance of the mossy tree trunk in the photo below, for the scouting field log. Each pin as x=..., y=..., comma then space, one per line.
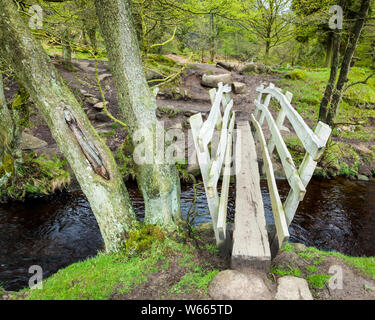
x=159, y=183
x=323, y=110
x=347, y=60
x=10, y=144
x=76, y=138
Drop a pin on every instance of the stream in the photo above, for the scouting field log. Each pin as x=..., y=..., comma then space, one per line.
x=56, y=231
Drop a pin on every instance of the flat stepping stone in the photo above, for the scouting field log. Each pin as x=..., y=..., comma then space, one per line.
x=213, y=81
x=293, y=288
x=234, y=285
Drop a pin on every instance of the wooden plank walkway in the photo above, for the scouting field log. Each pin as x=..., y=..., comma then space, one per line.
x=250, y=239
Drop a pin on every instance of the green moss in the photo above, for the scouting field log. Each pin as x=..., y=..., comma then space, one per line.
x=36, y=175
x=171, y=112
x=142, y=239
x=124, y=157
x=341, y=159
x=7, y=165
x=296, y=75
x=159, y=59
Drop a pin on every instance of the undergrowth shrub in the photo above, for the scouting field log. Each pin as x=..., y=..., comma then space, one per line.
x=296, y=75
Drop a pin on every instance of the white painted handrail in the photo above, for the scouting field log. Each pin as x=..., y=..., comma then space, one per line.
x=309, y=139
x=211, y=168
x=313, y=142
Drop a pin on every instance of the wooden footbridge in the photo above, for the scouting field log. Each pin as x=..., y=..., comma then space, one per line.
x=235, y=154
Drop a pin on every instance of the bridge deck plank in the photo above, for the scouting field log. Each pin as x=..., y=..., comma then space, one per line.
x=250, y=239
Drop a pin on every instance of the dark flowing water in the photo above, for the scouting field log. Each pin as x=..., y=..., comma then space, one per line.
x=56, y=231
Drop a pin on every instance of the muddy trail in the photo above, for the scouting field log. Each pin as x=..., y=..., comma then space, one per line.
x=82, y=81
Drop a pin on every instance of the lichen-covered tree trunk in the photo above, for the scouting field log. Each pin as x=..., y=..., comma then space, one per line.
x=159, y=183
x=323, y=110
x=90, y=159
x=347, y=59
x=10, y=140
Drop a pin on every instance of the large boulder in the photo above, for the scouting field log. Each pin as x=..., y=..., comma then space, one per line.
x=234, y=285
x=213, y=81
x=152, y=74
x=238, y=87
x=30, y=142
x=92, y=100
x=293, y=288
x=258, y=68
x=226, y=65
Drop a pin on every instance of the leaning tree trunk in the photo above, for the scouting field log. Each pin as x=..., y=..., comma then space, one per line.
x=323, y=111
x=10, y=145
x=345, y=66
x=158, y=182
x=90, y=159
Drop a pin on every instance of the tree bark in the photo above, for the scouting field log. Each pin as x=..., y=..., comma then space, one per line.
x=67, y=49
x=345, y=66
x=323, y=110
x=10, y=139
x=159, y=183
x=76, y=138
x=330, y=50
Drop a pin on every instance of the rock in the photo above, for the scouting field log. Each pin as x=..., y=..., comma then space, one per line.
x=361, y=148
x=251, y=67
x=190, y=113
x=159, y=113
x=30, y=142
x=104, y=76
x=362, y=177
x=83, y=92
x=186, y=124
x=283, y=128
x=92, y=100
x=259, y=68
x=152, y=74
x=299, y=247
x=88, y=95
x=238, y=87
x=226, y=65
x=293, y=288
x=100, y=105
x=212, y=81
x=91, y=114
x=176, y=126
x=101, y=116
x=234, y=285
